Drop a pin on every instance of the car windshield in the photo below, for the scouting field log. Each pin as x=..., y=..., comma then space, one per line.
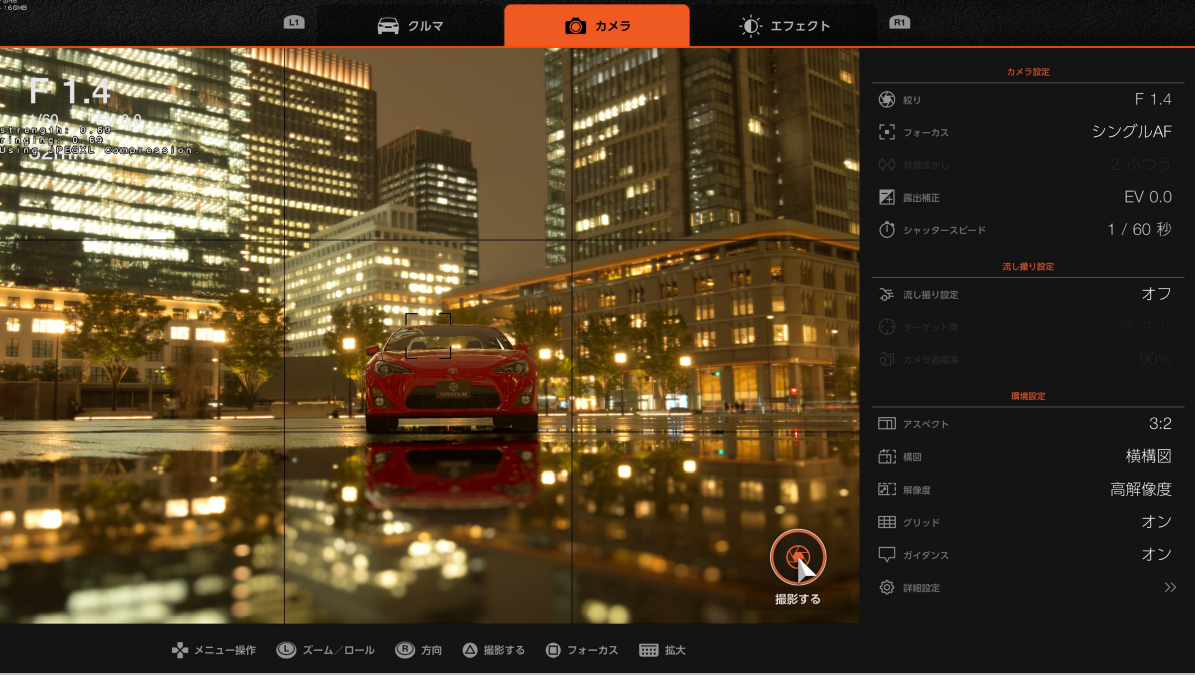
x=443, y=337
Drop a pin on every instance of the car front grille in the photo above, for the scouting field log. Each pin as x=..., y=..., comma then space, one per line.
x=424, y=398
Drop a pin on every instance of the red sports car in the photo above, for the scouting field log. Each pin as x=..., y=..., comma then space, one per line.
x=436, y=375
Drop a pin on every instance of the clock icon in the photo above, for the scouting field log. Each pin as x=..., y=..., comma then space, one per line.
x=887, y=229
x=887, y=326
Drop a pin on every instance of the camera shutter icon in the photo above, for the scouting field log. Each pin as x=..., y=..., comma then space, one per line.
x=294, y=22
x=899, y=22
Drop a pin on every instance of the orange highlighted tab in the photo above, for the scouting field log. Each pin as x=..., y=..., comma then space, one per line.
x=597, y=26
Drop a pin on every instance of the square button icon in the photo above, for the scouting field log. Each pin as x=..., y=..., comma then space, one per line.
x=649, y=650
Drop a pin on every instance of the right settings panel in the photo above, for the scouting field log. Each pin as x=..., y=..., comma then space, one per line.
x=1025, y=432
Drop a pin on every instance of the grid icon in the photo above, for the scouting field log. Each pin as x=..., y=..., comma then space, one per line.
x=649, y=650
x=887, y=522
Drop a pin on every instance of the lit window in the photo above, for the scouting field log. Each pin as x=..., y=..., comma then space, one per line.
x=180, y=333
x=780, y=333
x=14, y=325
x=203, y=334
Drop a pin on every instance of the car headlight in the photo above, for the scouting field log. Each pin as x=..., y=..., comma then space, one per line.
x=383, y=368
x=379, y=399
x=519, y=367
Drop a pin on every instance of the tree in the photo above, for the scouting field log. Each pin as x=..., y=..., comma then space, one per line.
x=662, y=339
x=49, y=370
x=255, y=338
x=114, y=330
x=465, y=315
x=598, y=342
x=15, y=372
x=538, y=330
x=846, y=376
x=188, y=375
x=365, y=324
x=572, y=383
x=232, y=392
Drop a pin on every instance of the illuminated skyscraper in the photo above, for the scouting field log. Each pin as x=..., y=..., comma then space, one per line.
x=271, y=146
x=378, y=258
x=162, y=223
x=434, y=174
x=665, y=144
x=311, y=144
x=555, y=224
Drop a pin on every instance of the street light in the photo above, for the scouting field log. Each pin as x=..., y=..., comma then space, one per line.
x=59, y=329
x=349, y=344
x=770, y=331
x=686, y=361
x=218, y=338
x=621, y=357
x=545, y=354
x=834, y=360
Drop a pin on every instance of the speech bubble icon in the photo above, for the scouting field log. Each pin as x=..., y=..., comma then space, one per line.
x=887, y=553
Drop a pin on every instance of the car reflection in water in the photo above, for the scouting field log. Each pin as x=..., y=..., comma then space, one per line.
x=599, y=527
x=452, y=482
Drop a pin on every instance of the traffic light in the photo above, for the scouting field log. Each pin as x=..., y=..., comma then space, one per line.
x=792, y=391
x=718, y=372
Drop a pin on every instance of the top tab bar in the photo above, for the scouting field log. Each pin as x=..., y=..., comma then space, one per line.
x=597, y=26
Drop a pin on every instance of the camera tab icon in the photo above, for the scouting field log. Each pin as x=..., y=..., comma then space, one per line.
x=574, y=26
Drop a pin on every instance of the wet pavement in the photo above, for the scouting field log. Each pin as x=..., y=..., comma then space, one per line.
x=594, y=519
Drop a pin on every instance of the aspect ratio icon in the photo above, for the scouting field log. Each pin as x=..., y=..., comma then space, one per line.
x=887, y=229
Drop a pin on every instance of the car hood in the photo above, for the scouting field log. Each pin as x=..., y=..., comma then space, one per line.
x=432, y=360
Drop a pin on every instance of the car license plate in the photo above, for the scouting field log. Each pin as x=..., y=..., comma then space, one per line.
x=454, y=469
x=450, y=389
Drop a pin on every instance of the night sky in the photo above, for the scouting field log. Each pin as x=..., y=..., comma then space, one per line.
x=495, y=98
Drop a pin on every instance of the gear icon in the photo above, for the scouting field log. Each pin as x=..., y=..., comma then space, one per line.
x=886, y=587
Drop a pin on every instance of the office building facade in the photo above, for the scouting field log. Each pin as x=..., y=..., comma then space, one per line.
x=771, y=306
x=666, y=144
x=32, y=321
x=720, y=185
x=310, y=144
x=378, y=258
x=164, y=222
x=434, y=174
